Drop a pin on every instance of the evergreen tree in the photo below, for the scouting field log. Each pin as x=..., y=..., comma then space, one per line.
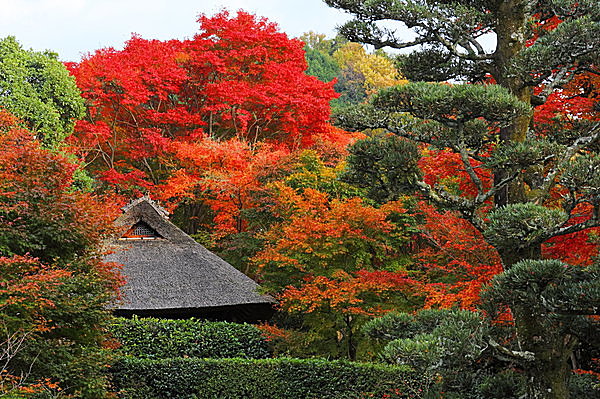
x=544, y=185
x=37, y=88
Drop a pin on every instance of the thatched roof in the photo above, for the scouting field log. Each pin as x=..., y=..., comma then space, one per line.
x=169, y=274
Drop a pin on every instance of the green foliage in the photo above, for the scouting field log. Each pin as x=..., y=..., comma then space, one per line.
x=554, y=298
x=384, y=165
x=393, y=326
x=458, y=335
x=520, y=155
x=150, y=338
x=37, y=88
x=574, y=41
x=582, y=386
x=309, y=171
x=351, y=86
x=364, y=116
x=548, y=287
x=448, y=346
x=582, y=177
x=445, y=116
x=522, y=225
x=452, y=104
x=321, y=65
x=505, y=385
x=421, y=352
x=265, y=379
x=404, y=325
x=437, y=65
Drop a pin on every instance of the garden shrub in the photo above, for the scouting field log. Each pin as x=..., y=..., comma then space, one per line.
x=505, y=385
x=151, y=338
x=447, y=346
x=584, y=386
x=280, y=378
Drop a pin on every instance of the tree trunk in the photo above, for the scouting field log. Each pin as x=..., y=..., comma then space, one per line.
x=548, y=382
x=511, y=27
x=510, y=256
x=350, y=338
x=547, y=375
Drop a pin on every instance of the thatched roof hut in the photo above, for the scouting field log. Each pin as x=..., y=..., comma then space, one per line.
x=168, y=274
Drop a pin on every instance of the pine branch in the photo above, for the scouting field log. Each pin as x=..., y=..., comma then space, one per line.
x=579, y=143
x=594, y=221
x=443, y=198
x=510, y=354
x=451, y=47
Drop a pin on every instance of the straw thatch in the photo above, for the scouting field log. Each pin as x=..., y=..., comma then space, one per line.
x=168, y=274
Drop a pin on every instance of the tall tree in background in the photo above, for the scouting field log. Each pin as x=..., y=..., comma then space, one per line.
x=544, y=185
x=358, y=73
x=36, y=87
x=318, y=54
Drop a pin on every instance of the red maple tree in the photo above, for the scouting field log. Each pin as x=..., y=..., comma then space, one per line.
x=238, y=78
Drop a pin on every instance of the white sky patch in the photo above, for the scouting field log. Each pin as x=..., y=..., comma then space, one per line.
x=75, y=27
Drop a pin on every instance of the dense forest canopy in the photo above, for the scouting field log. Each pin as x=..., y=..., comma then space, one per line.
x=452, y=189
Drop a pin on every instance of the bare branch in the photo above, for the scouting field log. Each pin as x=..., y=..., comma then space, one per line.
x=574, y=228
x=477, y=45
x=512, y=355
x=454, y=51
x=497, y=187
x=443, y=198
x=578, y=144
x=464, y=156
x=560, y=78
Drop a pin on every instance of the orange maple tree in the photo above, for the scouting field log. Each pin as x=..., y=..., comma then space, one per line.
x=335, y=257
x=227, y=176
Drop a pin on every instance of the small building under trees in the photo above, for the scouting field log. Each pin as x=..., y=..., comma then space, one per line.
x=168, y=274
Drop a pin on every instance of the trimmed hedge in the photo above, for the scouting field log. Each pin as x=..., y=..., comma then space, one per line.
x=280, y=378
x=151, y=338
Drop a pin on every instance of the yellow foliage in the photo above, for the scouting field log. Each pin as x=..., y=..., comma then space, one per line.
x=378, y=70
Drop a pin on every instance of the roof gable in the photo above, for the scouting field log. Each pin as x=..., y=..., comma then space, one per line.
x=141, y=231
x=144, y=210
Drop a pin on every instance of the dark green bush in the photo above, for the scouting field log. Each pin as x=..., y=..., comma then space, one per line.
x=583, y=386
x=448, y=344
x=280, y=378
x=151, y=338
x=505, y=385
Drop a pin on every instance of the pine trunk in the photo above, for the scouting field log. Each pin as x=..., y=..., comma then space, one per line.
x=511, y=26
x=549, y=382
x=548, y=375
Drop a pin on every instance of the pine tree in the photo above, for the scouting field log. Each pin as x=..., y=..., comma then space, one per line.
x=545, y=183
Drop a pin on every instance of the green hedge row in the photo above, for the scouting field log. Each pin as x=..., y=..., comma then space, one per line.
x=151, y=338
x=280, y=378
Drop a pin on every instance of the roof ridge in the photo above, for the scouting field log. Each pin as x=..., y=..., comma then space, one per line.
x=146, y=198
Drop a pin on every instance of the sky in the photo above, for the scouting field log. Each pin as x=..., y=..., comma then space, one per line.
x=73, y=28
